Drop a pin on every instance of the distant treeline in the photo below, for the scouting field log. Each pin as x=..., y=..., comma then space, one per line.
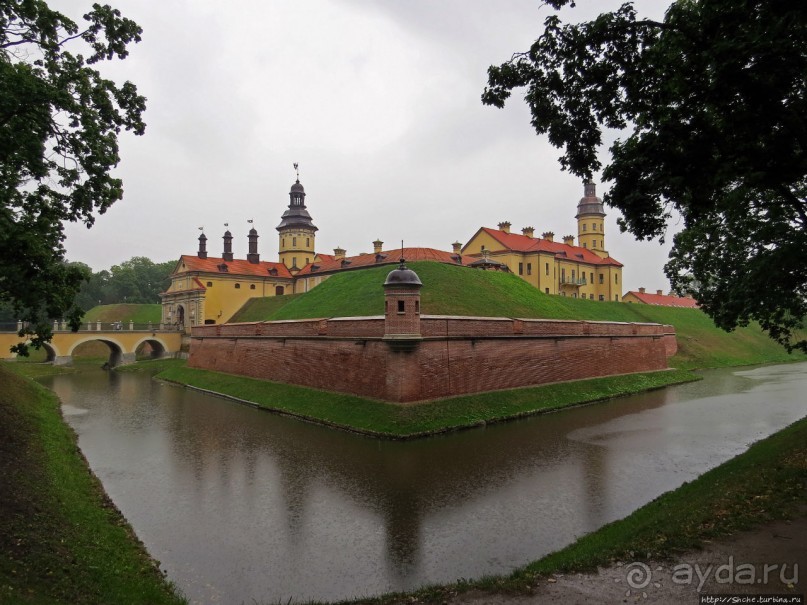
x=136, y=281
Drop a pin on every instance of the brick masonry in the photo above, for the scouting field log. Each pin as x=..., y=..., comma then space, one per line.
x=456, y=356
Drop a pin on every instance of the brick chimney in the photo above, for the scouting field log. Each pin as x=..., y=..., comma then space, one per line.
x=339, y=253
x=504, y=226
x=548, y=236
x=228, y=246
x=568, y=240
x=202, y=246
x=641, y=290
x=377, y=246
x=528, y=231
x=457, y=246
x=253, y=255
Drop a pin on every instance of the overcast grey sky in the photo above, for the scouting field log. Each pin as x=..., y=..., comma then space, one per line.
x=379, y=102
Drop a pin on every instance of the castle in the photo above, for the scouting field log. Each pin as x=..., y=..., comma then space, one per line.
x=208, y=290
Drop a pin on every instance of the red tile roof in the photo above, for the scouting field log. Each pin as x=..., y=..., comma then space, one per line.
x=522, y=243
x=665, y=300
x=234, y=267
x=329, y=263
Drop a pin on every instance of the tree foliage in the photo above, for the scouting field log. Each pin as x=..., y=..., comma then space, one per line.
x=137, y=280
x=59, y=126
x=710, y=107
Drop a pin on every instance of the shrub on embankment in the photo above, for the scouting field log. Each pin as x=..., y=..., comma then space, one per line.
x=62, y=539
x=451, y=290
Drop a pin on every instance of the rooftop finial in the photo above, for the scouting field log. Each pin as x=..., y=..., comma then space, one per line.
x=297, y=170
x=403, y=260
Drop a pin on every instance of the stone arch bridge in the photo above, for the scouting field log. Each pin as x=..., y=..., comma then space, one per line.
x=123, y=342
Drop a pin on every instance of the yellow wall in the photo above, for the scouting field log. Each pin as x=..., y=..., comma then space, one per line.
x=532, y=268
x=220, y=298
x=591, y=233
x=296, y=244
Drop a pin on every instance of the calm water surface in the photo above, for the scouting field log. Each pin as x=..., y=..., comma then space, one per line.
x=242, y=505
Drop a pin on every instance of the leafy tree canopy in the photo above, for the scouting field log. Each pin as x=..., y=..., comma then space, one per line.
x=710, y=108
x=59, y=126
x=137, y=280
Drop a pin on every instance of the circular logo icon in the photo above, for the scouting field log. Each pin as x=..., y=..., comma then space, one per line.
x=639, y=575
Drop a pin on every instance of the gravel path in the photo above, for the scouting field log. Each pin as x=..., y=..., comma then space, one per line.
x=729, y=566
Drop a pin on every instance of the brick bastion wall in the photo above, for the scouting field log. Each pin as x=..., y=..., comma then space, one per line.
x=450, y=355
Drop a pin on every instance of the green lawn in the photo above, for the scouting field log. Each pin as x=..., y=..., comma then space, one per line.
x=396, y=421
x=451, y=290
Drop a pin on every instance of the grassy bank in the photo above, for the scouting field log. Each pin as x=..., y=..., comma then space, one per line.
x=139, y=314
x=767, y=482
x=447, y=289
x=399, y=422
x=62, y=539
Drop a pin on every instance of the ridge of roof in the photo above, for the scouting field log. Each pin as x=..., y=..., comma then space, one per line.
x=522, y=243
x=236, y=266
x=665, y=300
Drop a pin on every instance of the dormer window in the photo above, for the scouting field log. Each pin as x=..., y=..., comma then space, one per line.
x=272, y=271
x=222, y=268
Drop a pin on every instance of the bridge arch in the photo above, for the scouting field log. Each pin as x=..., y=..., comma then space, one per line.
x=117, y=352
x=158, y=347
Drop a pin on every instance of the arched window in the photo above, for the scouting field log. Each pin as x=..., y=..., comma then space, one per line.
x=237, y=286
x=251, y=286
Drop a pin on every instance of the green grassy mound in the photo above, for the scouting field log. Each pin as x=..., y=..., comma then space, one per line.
x=450, y=290
x=139, y=314
x=257, y=309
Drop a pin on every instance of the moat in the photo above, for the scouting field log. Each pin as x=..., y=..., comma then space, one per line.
x=242, y=505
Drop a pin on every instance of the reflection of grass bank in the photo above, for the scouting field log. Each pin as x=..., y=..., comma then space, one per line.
x=767, y=482
x=397, y=422
x=62, y=539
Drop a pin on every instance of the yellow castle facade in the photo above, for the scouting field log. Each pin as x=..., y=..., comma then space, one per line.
x=209, y=290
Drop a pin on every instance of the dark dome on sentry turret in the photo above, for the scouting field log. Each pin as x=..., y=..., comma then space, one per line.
x=590, y=203
x=297, y=215
x=402, y=277
x=297, y=187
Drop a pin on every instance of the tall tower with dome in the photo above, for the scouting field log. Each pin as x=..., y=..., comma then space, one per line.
x=591, y=221
x=296, y=230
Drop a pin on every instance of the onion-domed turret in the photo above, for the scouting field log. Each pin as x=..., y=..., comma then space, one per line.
x=296, y=230
x=402, y=277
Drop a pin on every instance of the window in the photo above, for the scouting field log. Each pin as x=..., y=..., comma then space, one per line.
x=283, y=242
x=482, y=249
x=278, y=290
x=602, y=297
x=584, y=245
x=210, y=284
x=572, y=275
x=574, y=295
x=307, y=245
x=529, y=268
x=616, y=278
x=547, y=268
x=591, y=296
x=386, y=307
x=601, y=278
x=400, y=306
x=594, y=245
x=237, y=286
x=591, y=281
x=562, y=275
x=593, y=226
x=547, y=290
x=616, y=297
x=521, y=268
x=251, y=286
x=584, y=226
x=294, y=242
x=417, y=307
x=306, y=260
